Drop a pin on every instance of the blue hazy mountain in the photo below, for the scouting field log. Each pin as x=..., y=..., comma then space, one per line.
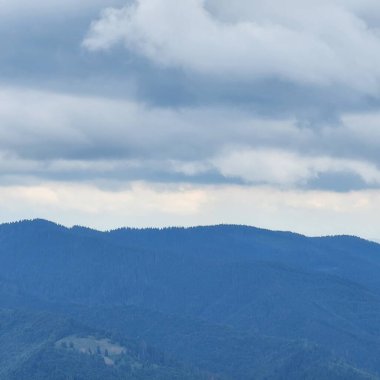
x=41, y=345
x=230, y=302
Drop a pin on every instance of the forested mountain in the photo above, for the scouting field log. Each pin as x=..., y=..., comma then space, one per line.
x=228, y=302
x=45, y=346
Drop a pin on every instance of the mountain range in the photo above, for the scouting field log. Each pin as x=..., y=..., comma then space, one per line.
x=219, y=302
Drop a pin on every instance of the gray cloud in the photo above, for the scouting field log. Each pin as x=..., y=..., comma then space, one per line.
x=55, y=61
x=315, y=42
x=256, y=112
x=257, y=94
x=90, y=138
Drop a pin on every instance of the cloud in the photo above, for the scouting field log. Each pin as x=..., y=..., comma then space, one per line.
x=191, y=112
x=52, y=136
x=321, y=44
x=55, y=61
x=142, y=204
x=48, y=125
x=21, y=7
x=138, y=199
x=279, y=167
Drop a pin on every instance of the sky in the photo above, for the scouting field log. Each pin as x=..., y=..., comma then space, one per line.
x=193, y=112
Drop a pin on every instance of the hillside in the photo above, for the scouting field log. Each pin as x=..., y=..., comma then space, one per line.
x=236, y=301
x=44, y=346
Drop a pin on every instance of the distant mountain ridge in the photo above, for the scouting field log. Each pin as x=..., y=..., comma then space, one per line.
x=310, y=306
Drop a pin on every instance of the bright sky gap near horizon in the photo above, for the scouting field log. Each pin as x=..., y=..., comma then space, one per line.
x=192, y=112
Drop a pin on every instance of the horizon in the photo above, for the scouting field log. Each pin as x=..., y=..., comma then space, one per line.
x=169, y=227
x=190, y=189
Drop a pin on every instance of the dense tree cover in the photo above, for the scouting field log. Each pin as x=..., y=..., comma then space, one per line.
x=233, y=301
x=221, y=349
x=29, y=351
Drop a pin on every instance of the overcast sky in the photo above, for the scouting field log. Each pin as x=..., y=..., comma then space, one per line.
x=191, y=112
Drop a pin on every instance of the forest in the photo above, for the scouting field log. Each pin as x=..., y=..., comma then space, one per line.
x=220, y=302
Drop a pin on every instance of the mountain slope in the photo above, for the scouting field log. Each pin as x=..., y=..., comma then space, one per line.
x=244, y=283
x=219, y=348
x=44, y=346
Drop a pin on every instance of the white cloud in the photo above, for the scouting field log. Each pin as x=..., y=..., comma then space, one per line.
x=46, y=125
x=286, y=168
x=138, y=200
x=319, y=43
x=47, y=135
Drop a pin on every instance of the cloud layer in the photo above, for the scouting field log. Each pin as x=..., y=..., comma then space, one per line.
x=191, y=112
x=76, y=137
x=323, y=43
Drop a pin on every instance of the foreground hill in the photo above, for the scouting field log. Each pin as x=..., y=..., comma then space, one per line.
x=44, y=346
x=235, y=301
